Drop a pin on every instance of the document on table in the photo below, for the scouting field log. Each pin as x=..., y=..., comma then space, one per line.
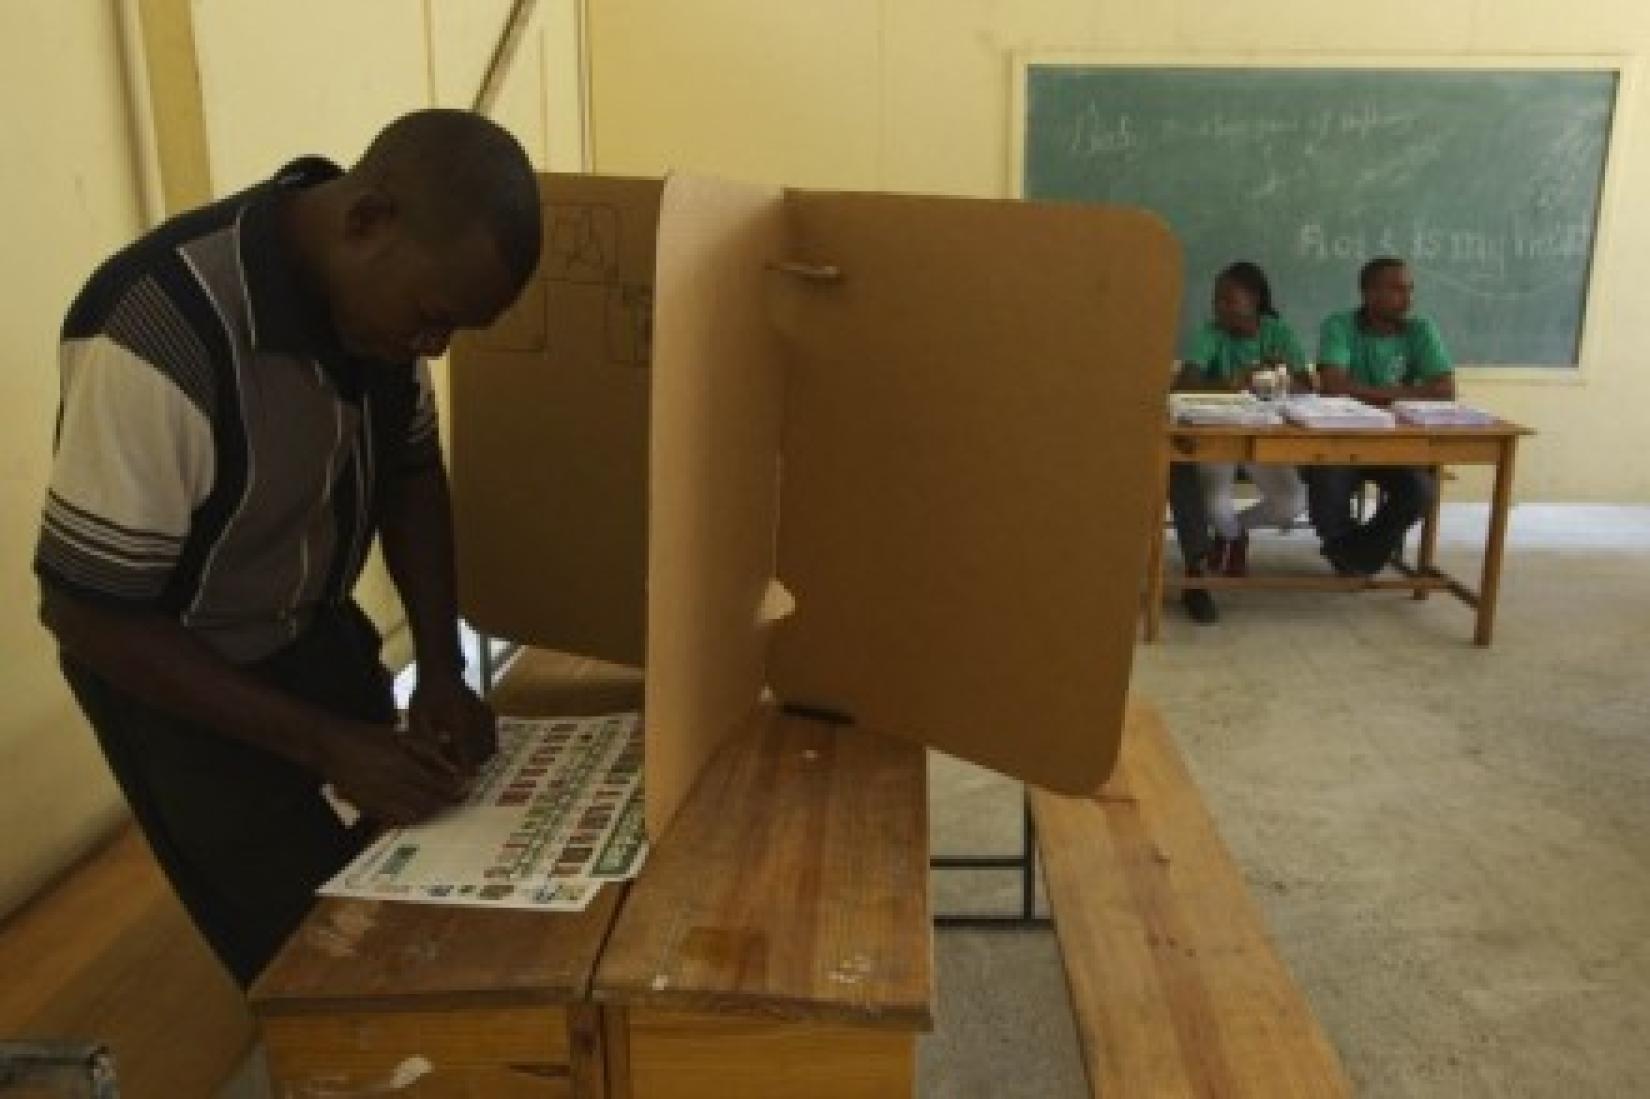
x=553, y=815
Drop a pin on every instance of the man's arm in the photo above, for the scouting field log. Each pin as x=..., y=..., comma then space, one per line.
x=158, y=661
x=1337, y=382
x=417, y=532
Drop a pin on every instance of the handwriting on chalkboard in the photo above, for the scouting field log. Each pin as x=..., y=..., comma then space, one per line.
x=1487, y=181
x=1097, y=132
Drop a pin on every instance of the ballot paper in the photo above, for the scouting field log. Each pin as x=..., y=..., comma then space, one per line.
x=1335, y=413
x=1215, y=409
x=553, y=815
x=1441, y=414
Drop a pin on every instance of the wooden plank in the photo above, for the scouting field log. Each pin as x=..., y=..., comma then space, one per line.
x=587, y=1040
x=360, y=955
x=793, y=884
x=353, y=1050
x=1176, y=986
x=109, y=955
x=1482, y=450
x=1210, y=448
x=678, y=1056
x=1370, y=449
x=616, y=1045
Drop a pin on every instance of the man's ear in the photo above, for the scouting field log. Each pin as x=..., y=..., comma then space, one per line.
x=370, y=214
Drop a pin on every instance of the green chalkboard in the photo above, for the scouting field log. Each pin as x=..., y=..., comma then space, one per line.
x=1488, y=182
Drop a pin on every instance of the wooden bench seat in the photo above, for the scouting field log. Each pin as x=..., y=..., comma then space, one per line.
x=779, y=943
x=1176, y=987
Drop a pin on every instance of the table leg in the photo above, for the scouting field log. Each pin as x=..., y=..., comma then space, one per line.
x=1495, y=544
x=1427, y=555
x=1154, y=549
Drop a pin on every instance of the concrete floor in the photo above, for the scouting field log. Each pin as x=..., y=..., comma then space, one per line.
x=1451, y=845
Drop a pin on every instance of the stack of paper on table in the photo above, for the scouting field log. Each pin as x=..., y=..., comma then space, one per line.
x=1335, y=413
x=1441, y=414
x=555, y=814
x=1231, y=409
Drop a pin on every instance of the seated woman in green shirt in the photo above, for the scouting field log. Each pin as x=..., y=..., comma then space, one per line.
x=1244, y=335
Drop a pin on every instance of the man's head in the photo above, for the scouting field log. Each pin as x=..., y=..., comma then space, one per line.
x=436, y=228
x=1388, y=289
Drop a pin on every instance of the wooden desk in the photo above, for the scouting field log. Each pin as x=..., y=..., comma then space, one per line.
x=779, y=941
x=1496, y=445
x=497, y=1002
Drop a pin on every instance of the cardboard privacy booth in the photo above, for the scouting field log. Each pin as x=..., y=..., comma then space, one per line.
x=884, y=458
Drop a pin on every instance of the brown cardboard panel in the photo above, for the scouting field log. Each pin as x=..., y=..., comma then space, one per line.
x=973, y=419
x=549, y=414
x=718, y=404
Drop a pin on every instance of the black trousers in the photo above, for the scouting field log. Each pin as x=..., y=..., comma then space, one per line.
x=244, y=835
x=1189, y=512
x=1408, y=491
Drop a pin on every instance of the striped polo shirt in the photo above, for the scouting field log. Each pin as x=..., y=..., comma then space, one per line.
x=219, y=455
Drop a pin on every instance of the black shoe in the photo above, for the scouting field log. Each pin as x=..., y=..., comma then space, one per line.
x=1200, y=605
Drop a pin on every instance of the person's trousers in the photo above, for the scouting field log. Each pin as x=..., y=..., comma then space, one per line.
x=1282, y=496
x=1189, y=512
x=244, y=835
x=1408, y=493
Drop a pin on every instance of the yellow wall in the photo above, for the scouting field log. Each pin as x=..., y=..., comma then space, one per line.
x=67, y=197
x=239, y=89
x=914, y=95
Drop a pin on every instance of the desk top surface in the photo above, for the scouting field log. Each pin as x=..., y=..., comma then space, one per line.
x=1499, y=430
x=792, y=884
x=379, y=953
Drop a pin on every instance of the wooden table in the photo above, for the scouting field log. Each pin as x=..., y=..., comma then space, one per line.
x=1495, y=445
x=777, y=943
x=497, y=1003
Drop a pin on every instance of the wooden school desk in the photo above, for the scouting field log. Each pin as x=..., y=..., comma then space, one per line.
x=777, y=942
x=1495, y=445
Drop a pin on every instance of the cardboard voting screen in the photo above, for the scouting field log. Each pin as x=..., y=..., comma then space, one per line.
x=548, y=415
x=935, y=422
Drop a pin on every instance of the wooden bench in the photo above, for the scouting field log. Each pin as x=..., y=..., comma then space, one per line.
x=1176, y=987
x=108, y=956
x=779, y=942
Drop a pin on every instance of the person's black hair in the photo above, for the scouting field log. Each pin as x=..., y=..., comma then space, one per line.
x=452, y=170
x=1251, y=278
x=1372, y=270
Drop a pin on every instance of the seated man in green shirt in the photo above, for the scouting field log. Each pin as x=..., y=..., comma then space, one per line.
x=1377, y=354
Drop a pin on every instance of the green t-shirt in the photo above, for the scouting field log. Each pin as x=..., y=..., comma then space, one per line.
x=1408, y=357
x=1222, y=356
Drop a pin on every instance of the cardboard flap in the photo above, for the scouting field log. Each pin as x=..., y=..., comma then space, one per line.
x=718, y=403
x=549, y=416
x=972, y=433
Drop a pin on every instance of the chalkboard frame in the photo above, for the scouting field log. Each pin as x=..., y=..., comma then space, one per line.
x=1599, y=284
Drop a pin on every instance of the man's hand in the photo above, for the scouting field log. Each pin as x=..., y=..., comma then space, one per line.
x=444, y=712
x=392, y=778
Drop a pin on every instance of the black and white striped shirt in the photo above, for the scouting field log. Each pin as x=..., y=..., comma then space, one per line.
x=219, y=455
